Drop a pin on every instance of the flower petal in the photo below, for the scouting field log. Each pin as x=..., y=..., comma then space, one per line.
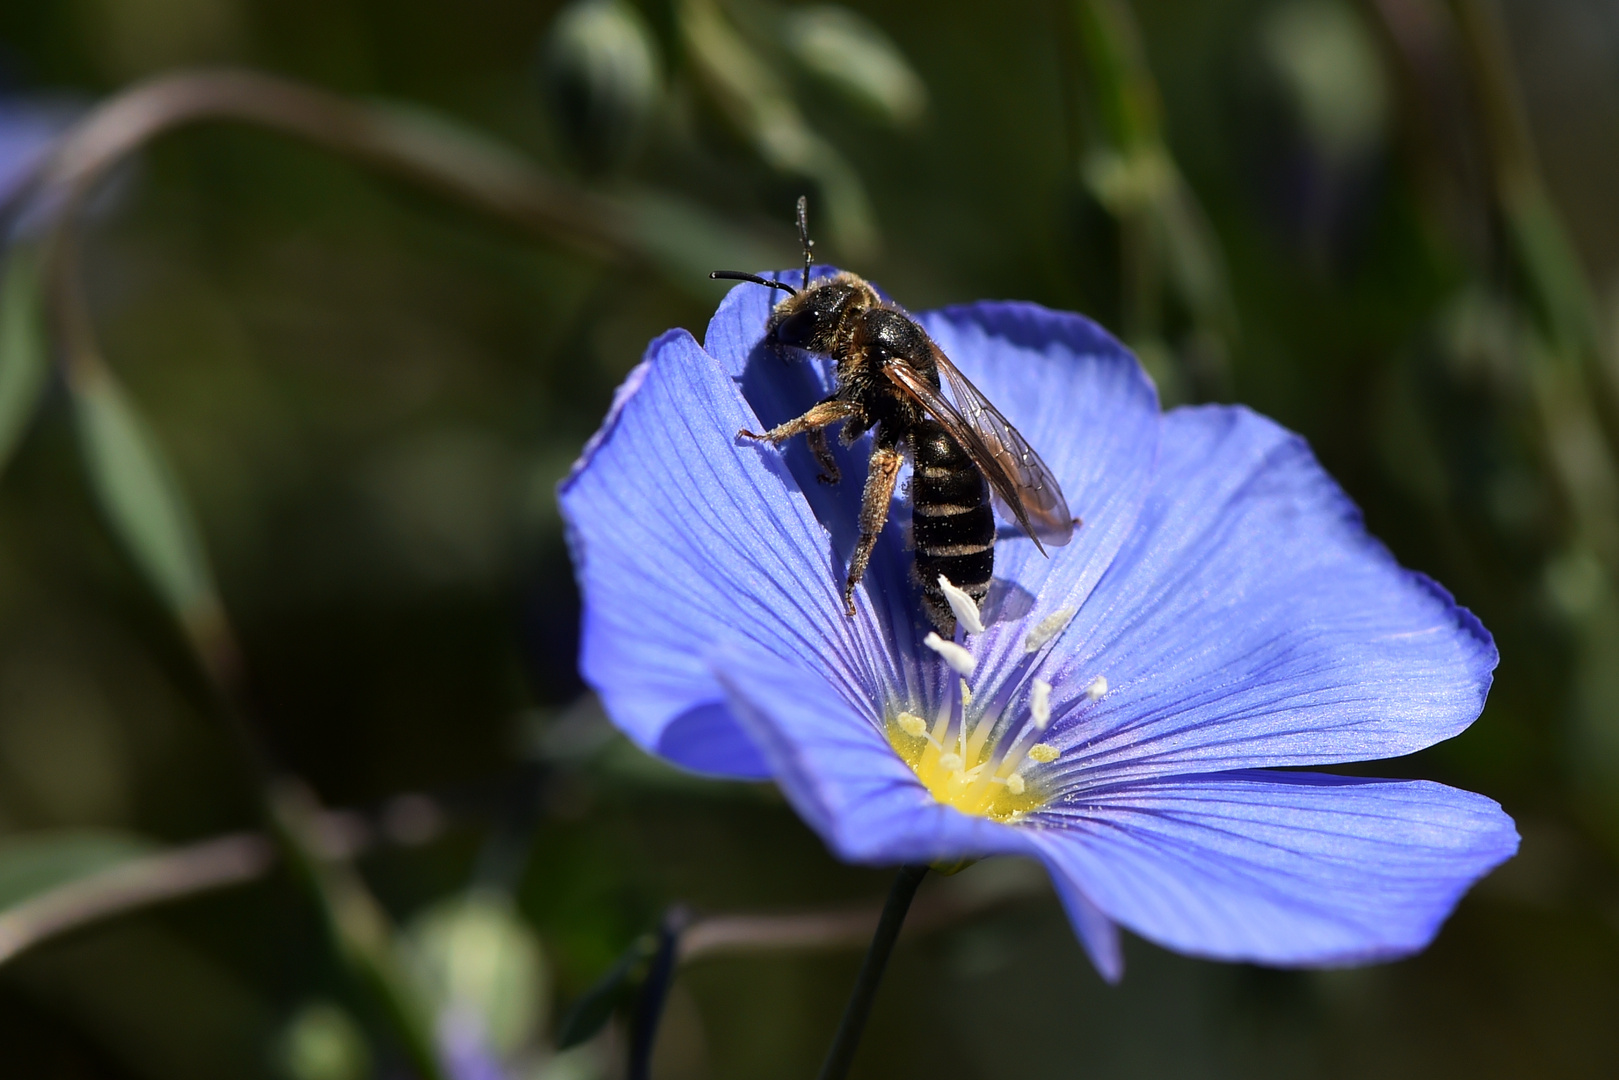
x=1098, y=933
x=840, y=774
x=1251, y=621
x=1296, y=869
x=682, y=538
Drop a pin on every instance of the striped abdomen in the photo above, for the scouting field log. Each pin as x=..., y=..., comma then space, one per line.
x=951, y=522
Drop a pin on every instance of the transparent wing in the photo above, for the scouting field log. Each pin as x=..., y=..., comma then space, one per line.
x=1020, y=480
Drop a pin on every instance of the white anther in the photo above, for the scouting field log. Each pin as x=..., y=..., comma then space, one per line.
x=1044, y=753
x=912, y=724
x=1097, y=688
x=1014, y=783
x=966, y=694
x=1048, y=628
x=1040, y=704
x=964, y=607
x=960, y=660
x=950, y=763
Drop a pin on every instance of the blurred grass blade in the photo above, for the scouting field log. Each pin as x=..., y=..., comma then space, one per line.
x=591, y=1012
x=53, y=883
x=1167, y=240
x=35, y=863
x=1126, y=96
x=678, y=238
x=140, y=496
x=685, y=242
x=851, y=55
x=23, y=364
x=1556, y=279
x=758, y=104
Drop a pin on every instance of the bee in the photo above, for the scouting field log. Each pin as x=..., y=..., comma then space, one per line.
x=889, y=379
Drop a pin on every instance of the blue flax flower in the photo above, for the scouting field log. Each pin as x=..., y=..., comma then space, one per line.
x=1221, y=612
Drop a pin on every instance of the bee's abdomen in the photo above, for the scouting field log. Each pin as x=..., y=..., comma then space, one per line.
x=951, y=522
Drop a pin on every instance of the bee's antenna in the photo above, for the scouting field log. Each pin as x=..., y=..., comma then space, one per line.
x=739, y=275
x=803, y=236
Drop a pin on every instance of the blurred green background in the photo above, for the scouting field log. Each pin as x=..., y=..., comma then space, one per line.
x=1389, y=224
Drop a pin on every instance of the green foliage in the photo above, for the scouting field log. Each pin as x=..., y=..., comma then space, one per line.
x=1390, y=225
x=595, y=1007
x=322, y=1042
x=23, y=364
x=474, y=953
x=35, y=863
x=139, y=495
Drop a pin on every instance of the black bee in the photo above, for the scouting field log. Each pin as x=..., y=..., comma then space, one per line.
x=888, y=382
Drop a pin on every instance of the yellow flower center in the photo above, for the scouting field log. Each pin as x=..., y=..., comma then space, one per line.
x=979, y=783
x=978, y=764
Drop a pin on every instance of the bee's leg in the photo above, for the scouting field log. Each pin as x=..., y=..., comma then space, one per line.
x=823, y=456
x=885, y=462
x=819, y=416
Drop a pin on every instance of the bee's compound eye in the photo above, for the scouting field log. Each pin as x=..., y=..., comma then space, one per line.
x=798, y=328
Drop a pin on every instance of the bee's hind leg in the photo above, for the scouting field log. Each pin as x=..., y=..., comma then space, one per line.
x=885, y=463
x=823, y=457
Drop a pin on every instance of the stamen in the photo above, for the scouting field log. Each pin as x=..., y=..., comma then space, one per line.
x=1048, y=628
x=960, y=660
x=1097, y=688
x=978, y=768
x=1040, y=704
x=964, y=607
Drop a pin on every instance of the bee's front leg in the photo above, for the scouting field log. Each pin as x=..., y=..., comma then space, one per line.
x=819, y=416
x=885, y=463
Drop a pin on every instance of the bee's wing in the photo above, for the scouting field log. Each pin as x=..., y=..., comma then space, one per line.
x=1015, y=472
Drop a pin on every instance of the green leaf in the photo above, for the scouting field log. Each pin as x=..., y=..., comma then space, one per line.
x=758, y=104
x=140, y=496
x=22, y=349
x=591, y=1012
x=35, y=863
x=852, y=55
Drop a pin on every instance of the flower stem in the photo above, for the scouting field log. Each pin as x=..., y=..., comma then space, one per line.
x=654, y=992
x=853, y=1024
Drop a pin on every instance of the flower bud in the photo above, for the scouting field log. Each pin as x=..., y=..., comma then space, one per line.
x=322, y=1042
x=603, y=80
x=475, y=962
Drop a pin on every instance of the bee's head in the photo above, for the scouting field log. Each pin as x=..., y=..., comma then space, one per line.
x=809, y=319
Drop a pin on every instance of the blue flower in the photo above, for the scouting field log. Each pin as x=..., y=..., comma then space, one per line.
x=1221, y=612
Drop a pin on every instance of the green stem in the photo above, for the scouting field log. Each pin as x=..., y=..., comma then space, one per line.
x=655, y=993
x=853, y=1024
